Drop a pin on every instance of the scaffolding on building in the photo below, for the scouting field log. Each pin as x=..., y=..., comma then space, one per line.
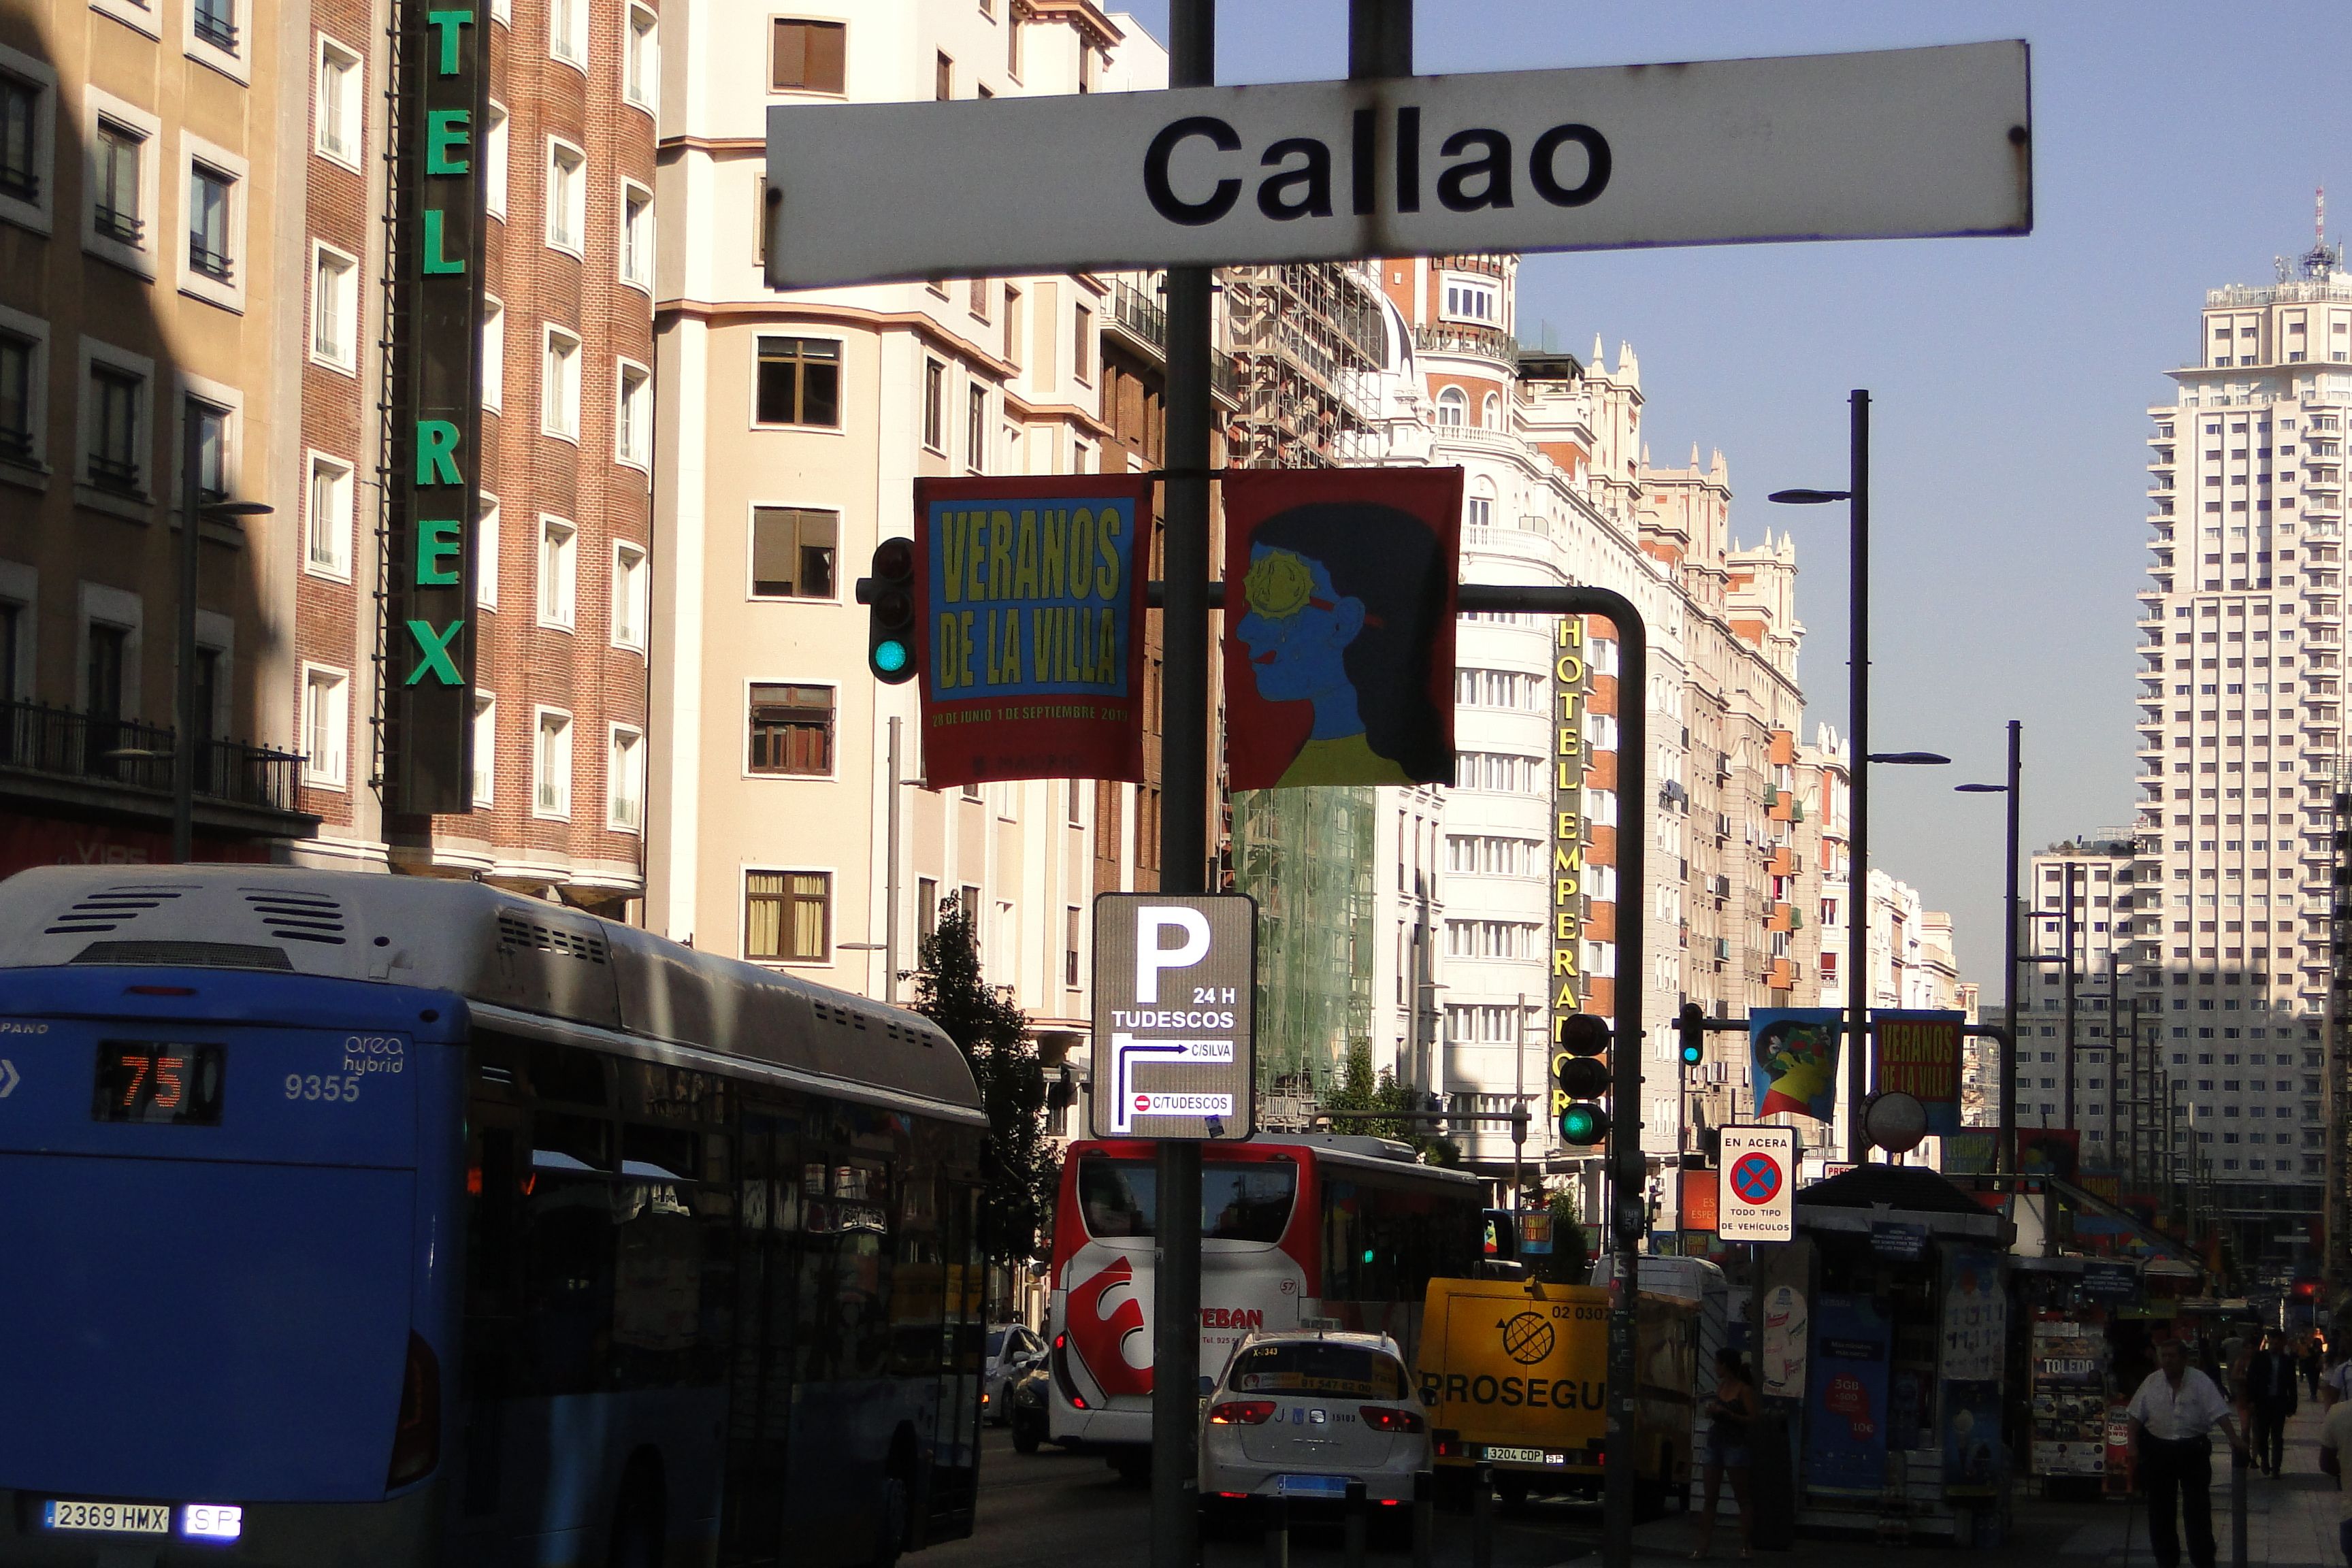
x=1308, y=340
x=1306, y=856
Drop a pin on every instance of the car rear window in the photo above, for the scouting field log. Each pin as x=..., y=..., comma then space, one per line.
x=1317, y=1367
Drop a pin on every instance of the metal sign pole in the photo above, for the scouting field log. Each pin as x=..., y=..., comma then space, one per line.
x=1183, y=815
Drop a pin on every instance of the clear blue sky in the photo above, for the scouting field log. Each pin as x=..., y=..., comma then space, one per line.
x=2176, y=148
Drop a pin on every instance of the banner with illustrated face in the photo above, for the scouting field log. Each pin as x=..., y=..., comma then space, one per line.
x=1795, y=1051
x=1028, y=616
x=1339, y=590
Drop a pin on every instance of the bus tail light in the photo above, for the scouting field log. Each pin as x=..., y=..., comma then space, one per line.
x=1388, y=1418
x=416, y=1433
x=1240, y=1413
x=1062, y=1379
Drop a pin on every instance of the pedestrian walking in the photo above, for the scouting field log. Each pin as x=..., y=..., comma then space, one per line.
x=1729, y=1412
x=2270, y=1400
x=2308, y=1362
x=2336, y=1382
x=2171, y=1416
x=2334, y=1436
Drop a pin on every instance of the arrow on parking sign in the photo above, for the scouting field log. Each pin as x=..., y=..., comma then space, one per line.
x=8, y=1078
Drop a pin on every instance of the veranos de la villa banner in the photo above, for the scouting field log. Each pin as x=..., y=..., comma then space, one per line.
x=1033, y=600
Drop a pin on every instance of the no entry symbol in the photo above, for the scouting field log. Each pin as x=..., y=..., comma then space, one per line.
x=1756, y=1178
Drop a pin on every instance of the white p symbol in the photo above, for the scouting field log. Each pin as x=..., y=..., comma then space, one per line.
x=1150, y=958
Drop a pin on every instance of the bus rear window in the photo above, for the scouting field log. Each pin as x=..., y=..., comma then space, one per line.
x=1309, y=1366
x=1248, y=1202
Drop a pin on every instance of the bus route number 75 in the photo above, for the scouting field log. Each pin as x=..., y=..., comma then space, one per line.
x=315, y=1086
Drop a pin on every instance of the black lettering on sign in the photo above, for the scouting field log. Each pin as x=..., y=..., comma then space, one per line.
x=1482, y=1390
x=1544, y=175
x=1492, y=171
x=1164, y=199
x=1311, y=181
x=1457, y=1387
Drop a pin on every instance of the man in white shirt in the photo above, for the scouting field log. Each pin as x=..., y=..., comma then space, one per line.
x=2335, y=1438
x=2173, y=1456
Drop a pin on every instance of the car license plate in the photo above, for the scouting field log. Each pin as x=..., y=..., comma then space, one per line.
x=1516, y=1456
x=114, y=1517
x=1313, y=1486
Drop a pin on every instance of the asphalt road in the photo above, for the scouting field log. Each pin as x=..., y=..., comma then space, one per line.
x=1053, y=1508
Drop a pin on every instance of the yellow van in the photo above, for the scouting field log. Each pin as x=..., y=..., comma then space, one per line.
x=1514, y=1375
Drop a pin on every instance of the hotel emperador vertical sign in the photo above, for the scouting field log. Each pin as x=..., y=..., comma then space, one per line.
x=433, y=485
x=1571, y=684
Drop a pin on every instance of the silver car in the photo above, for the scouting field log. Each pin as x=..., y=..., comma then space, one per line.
x=1298, y=1415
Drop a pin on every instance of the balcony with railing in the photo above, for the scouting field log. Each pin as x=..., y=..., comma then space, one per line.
x=64, y=757
x=114, y=224
x=1144, y=319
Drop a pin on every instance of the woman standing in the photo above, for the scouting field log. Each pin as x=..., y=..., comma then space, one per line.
x=1729, y=1411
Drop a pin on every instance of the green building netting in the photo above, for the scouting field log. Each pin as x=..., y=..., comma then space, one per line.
x=1306, y=856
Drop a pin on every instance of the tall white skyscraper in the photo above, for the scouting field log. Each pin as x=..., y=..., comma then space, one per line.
x=2240, y=744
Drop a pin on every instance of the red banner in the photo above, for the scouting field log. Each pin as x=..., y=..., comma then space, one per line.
x=1339, y=592
x=1029, y=630
x=1701, y=1195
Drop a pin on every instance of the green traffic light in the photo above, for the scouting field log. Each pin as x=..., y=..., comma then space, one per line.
x=889, y=658
x=1583, y=1125
x=1692, y=1054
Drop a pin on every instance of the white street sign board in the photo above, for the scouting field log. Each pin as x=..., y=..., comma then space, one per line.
x=1893, y=144
x=1175, y=994
x=1757, y=1184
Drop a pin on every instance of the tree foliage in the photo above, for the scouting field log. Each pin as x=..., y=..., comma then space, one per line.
x=1359, y=1089
x=992, y=1032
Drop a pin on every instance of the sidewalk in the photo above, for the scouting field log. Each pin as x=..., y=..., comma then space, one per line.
x=2290, y=1523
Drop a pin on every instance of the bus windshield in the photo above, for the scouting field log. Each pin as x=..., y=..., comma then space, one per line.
x=1239, y=1202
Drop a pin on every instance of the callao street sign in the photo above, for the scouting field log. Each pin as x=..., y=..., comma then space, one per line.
x=1893, y=144
x=1174, y=1050
x=1758, y=1199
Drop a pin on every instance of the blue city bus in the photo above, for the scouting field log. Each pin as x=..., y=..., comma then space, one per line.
x=354, y=1219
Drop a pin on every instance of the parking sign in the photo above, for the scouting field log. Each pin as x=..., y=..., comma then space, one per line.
x=1758, y=1196
x=1175, y=997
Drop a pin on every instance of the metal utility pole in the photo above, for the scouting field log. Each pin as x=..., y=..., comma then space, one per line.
x=1519, y=1105
x=184, y=703
x=2006, y=1158
x=1184, y=813
x=1857, y=1030
x=2066, y=1031
x=890, y=876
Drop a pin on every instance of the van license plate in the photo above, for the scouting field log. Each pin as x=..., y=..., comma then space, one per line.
x=1312, y=1486
x=1516, y=1456
x=113, y=1517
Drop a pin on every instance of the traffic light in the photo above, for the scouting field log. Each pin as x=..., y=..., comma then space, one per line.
x=890, y=612
x=1580, y=1068
x=1691, y=1026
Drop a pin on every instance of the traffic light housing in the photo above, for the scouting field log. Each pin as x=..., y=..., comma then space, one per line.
x=890, y=612
x=1581, y=1071
x=1691, y=1026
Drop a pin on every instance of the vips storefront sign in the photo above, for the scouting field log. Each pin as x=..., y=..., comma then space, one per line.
x=1893, y=144
x=1032, y=596
x=433, y=488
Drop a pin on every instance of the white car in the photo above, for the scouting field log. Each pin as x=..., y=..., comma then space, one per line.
x=1010, y=1347
x=1299, y=1414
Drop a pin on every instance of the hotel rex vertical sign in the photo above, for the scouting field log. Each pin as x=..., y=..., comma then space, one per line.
x=433, y=485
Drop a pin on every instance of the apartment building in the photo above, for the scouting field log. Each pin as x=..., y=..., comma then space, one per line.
x=789, y=445
x=2241, y=738
x=140, y=150
x=564, y=544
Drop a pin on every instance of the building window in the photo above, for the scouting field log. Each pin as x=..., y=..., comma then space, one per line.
x=975, y=428
x=567, y=196
x=1082, y=345
x=1490, y=412
x=935, y=393
x=116, y=414
x=792, y=552
x=788, y=916
x=216, y=24
x=208, y=236
x=494, y=354
x=20, y=138
x=1452, y=409
x=944, y=80
x=334, y=307
x=1012, y=320
x=559, y=391
x=114, y=191
x=551, y=765
x=632, y=417
x=791, y=730
x=926, y=909
x=810, y=56
x=632, y=595
x=567, y=30
x=326, y=719
x=637, y=236
x=486, y=553
x=625, y=781
x=486, y=748
x=339, y=114
x=328, y=527
x=212, y=448
x=799, y=381
x=640, y=58
x=1472, y=299
x=494, y=162
x=1070, y=919
x=557, y=575
x=20, y=361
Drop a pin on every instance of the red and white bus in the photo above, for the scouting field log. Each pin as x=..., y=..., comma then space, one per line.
x=1344, y=1232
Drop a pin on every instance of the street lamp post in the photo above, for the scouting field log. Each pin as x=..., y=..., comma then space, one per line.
x=1856, y=495
x=2005, y=1156
x=192, y=511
